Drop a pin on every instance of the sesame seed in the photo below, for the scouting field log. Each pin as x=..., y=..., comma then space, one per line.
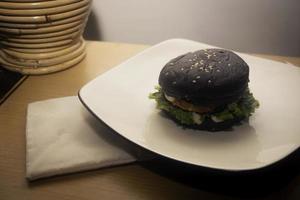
x=209, y=81
x=196, y=63
x=190, y=60
x=167, y=73
x=229, y=64
x=219, y=62
x=218, y=70
x=194, y=81
x=171, y=63
x=182, y=68
x=197, y=77
x=174, y=82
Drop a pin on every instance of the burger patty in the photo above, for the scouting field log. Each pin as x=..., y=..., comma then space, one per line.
x=189, y=106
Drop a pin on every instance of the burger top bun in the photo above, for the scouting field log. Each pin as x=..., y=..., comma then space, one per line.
x=205, y=77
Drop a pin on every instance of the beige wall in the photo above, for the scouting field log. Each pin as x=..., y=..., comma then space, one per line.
x=265, y=26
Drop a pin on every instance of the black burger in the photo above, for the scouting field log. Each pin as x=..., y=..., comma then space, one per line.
x=206, y=89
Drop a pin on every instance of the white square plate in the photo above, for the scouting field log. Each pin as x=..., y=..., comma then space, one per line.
x=119, y=98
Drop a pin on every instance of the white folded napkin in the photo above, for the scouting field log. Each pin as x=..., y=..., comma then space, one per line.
x=62, y=137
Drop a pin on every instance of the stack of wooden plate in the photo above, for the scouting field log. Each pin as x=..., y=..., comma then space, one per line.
x=39, y=37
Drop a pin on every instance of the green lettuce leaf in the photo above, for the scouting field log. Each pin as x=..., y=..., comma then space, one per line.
x=243, y=108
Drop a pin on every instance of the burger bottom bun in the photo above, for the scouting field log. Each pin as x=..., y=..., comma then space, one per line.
x=208, y=124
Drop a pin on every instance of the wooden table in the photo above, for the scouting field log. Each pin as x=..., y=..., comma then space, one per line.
x=135, y=181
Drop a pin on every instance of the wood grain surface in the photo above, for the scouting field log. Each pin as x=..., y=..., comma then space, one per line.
x=135, y=181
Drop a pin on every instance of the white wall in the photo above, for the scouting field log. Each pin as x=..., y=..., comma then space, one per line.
x=263, y=26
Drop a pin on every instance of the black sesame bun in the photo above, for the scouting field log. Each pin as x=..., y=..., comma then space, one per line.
x=206, y=77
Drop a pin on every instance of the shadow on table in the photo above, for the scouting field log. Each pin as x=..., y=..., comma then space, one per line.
x=92, y=29
x=248, y=184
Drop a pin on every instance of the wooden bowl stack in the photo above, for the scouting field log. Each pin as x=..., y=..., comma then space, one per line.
x=40, y=37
